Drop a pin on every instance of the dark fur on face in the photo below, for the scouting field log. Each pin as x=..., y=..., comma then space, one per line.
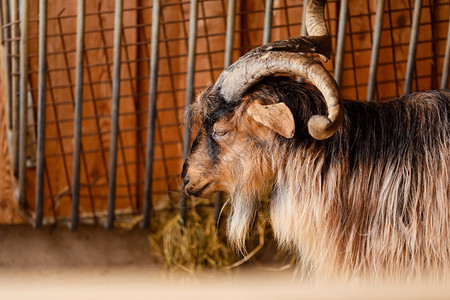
x=372, y=200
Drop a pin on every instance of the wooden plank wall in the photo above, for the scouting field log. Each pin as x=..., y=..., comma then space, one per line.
x=96, y=106
x=172, y=84
x=8, y=209
x=394, y=47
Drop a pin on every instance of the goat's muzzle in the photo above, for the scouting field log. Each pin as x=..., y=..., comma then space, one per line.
x=194, y=184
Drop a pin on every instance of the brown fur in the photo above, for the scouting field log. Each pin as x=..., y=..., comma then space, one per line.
x=370, y=202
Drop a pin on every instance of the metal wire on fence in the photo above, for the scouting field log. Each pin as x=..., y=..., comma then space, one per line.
x=97, y=90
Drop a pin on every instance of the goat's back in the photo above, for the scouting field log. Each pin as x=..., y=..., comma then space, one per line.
x=375, y=198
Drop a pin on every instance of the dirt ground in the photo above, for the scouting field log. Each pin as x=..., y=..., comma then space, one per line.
x=93, y=263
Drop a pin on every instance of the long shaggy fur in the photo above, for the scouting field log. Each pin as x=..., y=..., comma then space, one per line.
x=371, y=201
x=374, y=200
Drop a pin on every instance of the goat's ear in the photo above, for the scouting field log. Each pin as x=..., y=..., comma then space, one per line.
x=277, y=117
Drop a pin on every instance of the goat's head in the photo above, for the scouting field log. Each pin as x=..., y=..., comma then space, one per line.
x=231, y=150
x=231, y=142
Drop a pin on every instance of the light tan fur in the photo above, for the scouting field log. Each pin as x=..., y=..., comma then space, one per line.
x=385, y=218
x=370, y=242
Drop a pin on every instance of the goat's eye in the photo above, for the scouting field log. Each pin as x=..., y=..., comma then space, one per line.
x=218, y=133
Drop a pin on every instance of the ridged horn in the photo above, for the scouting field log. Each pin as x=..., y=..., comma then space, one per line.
x=231, y=86
x=315, y=24
x=318, y=41
x=283, y=57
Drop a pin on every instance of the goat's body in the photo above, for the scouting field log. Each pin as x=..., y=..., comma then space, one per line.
x=358, y=189
x=374, y=199
x=371, y=201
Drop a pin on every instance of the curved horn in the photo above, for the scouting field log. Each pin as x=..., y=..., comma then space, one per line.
x=232, y=85
x=315, y=20
x=315, y=23
x=318, y=41
x=283, y=57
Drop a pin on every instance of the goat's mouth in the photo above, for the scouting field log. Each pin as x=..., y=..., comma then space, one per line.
x=203, y=191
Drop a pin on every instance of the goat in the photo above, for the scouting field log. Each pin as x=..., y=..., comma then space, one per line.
x=362, y=192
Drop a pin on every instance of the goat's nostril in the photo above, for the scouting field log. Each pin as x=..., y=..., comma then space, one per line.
x=185, y=180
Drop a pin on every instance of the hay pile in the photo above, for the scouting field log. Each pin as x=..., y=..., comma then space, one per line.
x=200, y=244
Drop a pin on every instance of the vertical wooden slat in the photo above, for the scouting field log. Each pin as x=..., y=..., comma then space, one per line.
x=114, y=114
x=15, y=69
x=340, y=41
x=154, y=56
x=446, y=66
x=6, y=39
x=268, y=14
x=375, y=51
x=413, y=46
x=192, y=43
x=23, y=102
x=78, y=110
x=229, y=39
x=41, y=112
